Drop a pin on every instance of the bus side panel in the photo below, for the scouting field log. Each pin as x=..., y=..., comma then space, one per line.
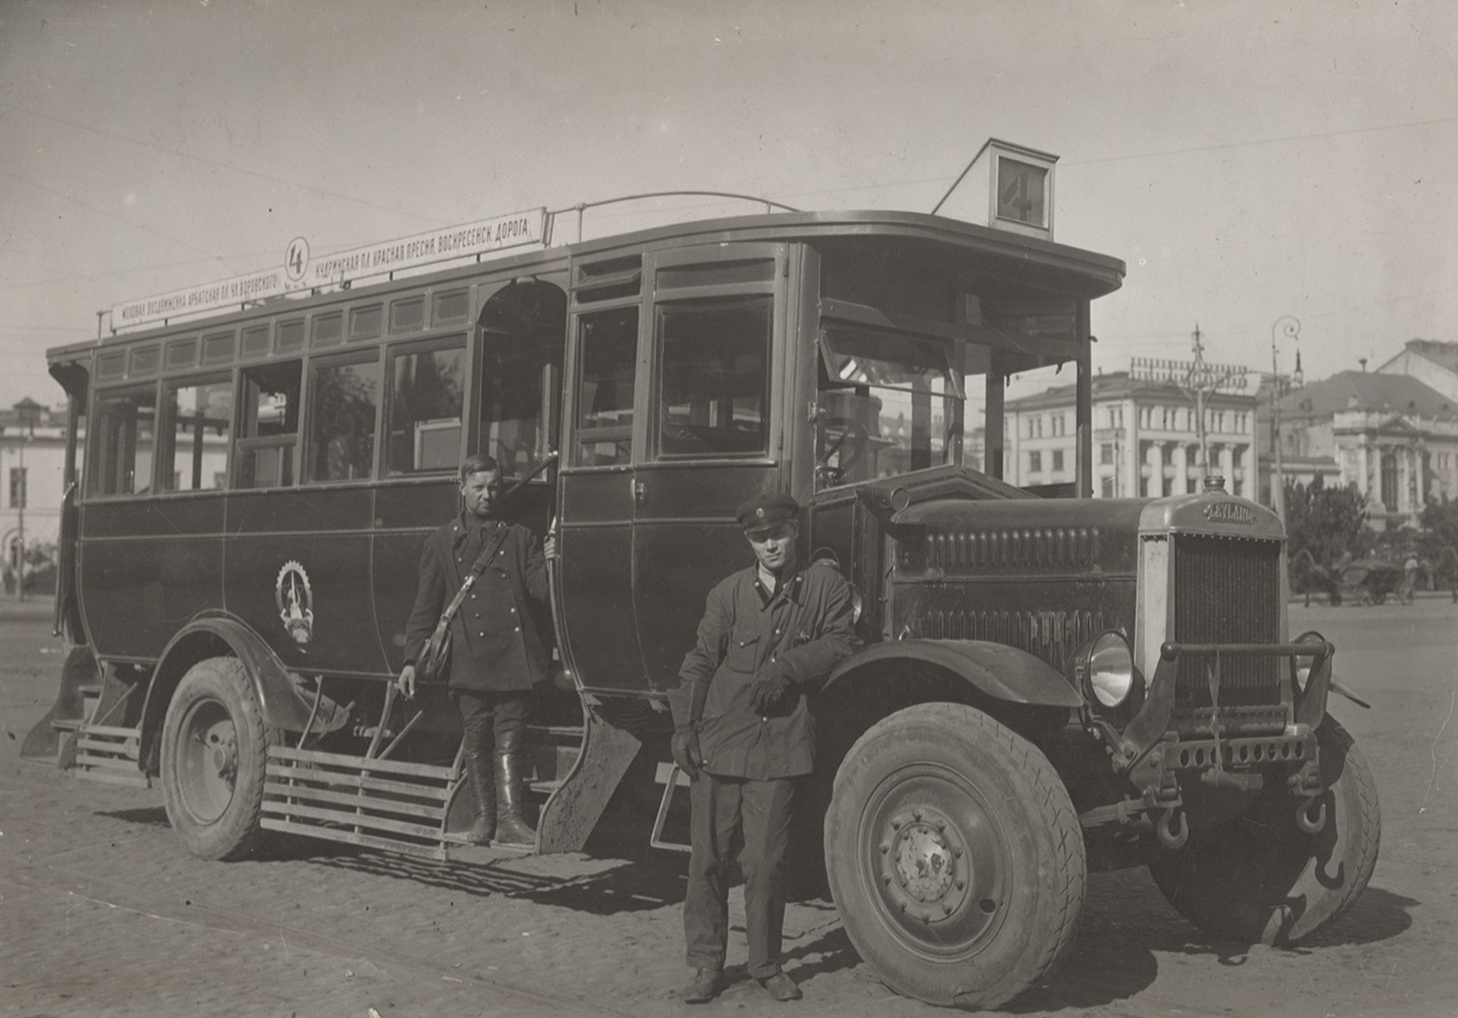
x=405, y=516
x=147, y=568
x=685, y=540
x=298, y=570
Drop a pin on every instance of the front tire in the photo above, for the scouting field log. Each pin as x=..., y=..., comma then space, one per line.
x=954, y=856
x=1259, y=879
x=214, y=746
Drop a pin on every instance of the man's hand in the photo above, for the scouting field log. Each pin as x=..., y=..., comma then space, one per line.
x=767, y=691
x=406, y=682
x=549, y=547
x=685, y=746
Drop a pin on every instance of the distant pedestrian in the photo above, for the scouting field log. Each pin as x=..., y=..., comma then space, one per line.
x=1409, y=577
x=770, y=635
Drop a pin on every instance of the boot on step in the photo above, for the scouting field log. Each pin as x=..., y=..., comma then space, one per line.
x=483, y=787
x=511, y=827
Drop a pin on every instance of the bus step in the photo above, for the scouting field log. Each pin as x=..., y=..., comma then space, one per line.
x=109, y=754
x=368, y=802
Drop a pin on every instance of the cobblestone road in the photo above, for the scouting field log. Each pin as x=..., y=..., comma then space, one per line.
x=102, y=913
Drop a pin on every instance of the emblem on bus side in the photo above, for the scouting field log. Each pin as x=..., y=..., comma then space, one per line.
x=295, y=602
x=1229, y=512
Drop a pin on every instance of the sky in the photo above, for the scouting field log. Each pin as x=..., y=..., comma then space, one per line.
x=1247, y=159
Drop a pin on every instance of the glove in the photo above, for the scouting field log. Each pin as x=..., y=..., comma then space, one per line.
x=767, y=691
x=685, y=747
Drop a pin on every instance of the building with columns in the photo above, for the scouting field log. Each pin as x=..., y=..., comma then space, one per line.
x=1146, y=441
x=1390, y=434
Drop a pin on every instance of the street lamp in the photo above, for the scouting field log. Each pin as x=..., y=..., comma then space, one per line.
x=1290, y=327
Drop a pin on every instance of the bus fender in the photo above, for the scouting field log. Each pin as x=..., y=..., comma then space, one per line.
x=994, y=669
x=282, y=702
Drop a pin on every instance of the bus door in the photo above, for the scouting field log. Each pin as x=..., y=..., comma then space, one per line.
x=717, y=364
x=599, y=484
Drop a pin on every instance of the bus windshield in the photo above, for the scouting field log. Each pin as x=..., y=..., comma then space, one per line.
x=888, y=403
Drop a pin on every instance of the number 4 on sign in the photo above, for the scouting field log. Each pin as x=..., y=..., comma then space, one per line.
x=296, y=259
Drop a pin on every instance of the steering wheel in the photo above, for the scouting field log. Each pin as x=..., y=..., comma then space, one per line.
x=851, y=444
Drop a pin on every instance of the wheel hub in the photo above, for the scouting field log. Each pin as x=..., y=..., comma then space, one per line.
x=927, y=869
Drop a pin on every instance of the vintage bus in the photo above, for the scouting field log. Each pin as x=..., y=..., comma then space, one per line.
x=1047, y=685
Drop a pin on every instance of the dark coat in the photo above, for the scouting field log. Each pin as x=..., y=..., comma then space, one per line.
x=801, y=632
x=495, y=645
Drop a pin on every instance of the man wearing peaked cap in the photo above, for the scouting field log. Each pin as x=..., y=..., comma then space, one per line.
x=770, y=635
x=763, y=512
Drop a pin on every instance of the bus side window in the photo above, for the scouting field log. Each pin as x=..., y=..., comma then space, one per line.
x=269, y=426
x=713, y=381
x=607, y=358
x=523, y=330
x=427, y=393
x=344, y=399
x=197, y=416
x=126, y=429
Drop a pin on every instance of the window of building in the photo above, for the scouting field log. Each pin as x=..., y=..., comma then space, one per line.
x=1106, y=453
x=427, y=396
x=1106, y=487
x=713, y=380
x=344, y=399
x=197, y=419
x=1057, y=461
x=268, y=427
x=1035, y=462
x=126, y=429
x=1389, y=480
x=607, y=358
x=17, y=487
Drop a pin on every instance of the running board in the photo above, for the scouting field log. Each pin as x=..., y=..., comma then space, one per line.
x=109, y=754
x=365, y=801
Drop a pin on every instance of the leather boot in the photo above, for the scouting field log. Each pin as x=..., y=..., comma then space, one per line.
x=477, y=762
x=511, y=828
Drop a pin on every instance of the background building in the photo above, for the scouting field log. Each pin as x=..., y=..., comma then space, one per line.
x=32, y=457
x=1146, y=439
x=1390, y=434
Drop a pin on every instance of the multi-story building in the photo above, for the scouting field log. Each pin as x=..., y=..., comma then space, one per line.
x=1390, y=434
x=32, y=455
x=1146, y=440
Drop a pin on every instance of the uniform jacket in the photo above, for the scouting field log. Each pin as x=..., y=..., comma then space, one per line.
x=802, y=631
x=495, y=645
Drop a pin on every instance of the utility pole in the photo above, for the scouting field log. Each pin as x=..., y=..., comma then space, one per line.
x=1292, y=331
x=1201, y=381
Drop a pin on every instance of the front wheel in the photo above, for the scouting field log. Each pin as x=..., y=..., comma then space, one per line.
x=214, y=746
x=1259, y=879
x=954, y=856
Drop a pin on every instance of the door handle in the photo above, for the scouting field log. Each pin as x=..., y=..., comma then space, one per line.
x=640, y=491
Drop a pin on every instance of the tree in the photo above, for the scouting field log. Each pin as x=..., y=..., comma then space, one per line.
x=1327, y=523
x=1439, y=541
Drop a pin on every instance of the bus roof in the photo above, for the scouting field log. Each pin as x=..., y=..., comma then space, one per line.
x=1035, y=261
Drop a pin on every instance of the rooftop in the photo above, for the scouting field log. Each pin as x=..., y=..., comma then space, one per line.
x=1364, y=390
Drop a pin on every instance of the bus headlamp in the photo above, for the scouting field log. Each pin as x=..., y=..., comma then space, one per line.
x=1110, y=670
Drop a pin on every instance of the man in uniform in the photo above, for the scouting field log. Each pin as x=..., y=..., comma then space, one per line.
x=770, y=635
x=496, y=653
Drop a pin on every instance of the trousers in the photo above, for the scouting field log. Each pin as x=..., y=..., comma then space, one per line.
x=752, y=817
x=487, y=717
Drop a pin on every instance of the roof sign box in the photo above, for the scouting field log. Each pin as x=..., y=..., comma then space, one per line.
x=1006, y=186
x=300, y=272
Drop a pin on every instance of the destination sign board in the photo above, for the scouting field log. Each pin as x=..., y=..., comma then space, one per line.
x=301, y=272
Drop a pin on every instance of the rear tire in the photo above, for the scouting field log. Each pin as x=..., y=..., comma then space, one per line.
x=954, y=856
x=214, y=746
x=1259, y=879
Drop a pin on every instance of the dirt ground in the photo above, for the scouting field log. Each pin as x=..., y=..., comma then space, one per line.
x=103, y=913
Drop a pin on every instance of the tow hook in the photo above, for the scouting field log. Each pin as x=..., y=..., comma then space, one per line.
x=1169, y=836
x=1307, y=823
